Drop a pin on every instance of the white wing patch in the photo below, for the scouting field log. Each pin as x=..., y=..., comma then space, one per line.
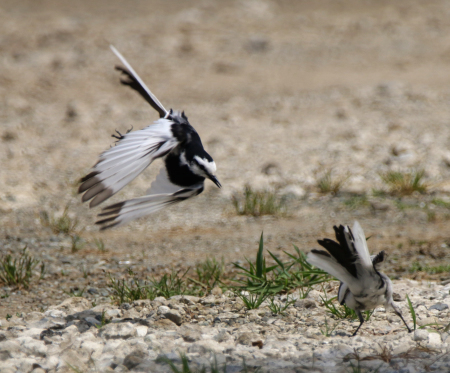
x=119, y=165
x=162, y=184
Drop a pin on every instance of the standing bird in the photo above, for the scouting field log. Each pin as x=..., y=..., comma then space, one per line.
x=172, y=138
x=363, y=286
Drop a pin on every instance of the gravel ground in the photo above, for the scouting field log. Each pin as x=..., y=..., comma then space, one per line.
x=219, y=327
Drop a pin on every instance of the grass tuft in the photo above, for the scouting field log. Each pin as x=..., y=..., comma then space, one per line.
x=356, y=202
x=404, y=183
x=282, y=277
x=209, y=275
x=327, y=183
x=62, y=224
x=278, y=308
x=258, y=203
x=77, y=243
x=253, y=300
x=431, y=270
x=18, y=271
x=131, y=289
x=98, y=242
x=328, y=328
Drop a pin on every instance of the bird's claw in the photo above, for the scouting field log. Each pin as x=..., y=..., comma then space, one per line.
x=120, y=137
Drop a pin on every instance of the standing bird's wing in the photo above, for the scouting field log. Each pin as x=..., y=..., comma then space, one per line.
x=348, y=259
x=340, y=257
x=119, y=165
x=135, y=82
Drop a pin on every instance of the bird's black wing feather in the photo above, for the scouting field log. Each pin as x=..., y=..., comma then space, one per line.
x=343, y=254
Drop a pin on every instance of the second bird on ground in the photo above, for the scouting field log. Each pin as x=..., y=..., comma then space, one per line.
x=172, y=138
x=363, y=286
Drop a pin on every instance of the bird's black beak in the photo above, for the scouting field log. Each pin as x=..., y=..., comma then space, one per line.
x=214, y=180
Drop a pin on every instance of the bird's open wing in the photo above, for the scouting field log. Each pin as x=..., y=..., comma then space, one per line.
x=134, y=81
x=123, y=212
x=121, y=164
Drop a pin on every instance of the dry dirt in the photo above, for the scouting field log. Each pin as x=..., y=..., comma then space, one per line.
x=280, y=92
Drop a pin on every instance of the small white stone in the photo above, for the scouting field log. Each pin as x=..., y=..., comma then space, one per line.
x=434, y=340
x=113, y=313
x=162, y=310
x=141, y=331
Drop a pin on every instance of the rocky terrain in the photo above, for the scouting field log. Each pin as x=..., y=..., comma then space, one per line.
x=218, y=330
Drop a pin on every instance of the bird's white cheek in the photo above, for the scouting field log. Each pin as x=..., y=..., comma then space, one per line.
x=196, y=170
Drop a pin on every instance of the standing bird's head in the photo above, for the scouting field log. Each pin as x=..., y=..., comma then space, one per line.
x=205, y=166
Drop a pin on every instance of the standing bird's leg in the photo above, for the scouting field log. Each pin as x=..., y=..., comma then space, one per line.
x=398, y=313
x=361, y=320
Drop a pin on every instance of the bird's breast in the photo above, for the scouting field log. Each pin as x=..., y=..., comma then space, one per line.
x=179, y=172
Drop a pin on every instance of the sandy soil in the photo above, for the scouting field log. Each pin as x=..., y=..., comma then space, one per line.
x=280, y=92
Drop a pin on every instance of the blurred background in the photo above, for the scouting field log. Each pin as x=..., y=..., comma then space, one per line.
x=315, y=112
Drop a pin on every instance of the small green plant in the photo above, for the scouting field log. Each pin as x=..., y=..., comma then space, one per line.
x=281, y=277
x=127, y=291
x=403, y=184
x=328, y=328
x=18, y=271
x=278, y=308
x=209, y=275
x=104, y=321
x=327, y=183
x=258, y=203
x=257, y=274
x=170, y=285
x=131, y=289
x=302, y=275
x=431, y=270
x=98, y=242
x=441, y=203
x=412, y=312
x=62, y=224
x=253, y=300
x=356, y=202
x=8, y=316
x=77, y=243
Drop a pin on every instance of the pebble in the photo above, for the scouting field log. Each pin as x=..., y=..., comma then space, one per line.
x=439, y=307
x=214, y=326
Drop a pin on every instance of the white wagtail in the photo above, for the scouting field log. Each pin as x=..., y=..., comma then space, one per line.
x=172, y=138
x=363, y=286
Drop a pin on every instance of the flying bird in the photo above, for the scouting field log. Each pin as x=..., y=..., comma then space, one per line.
x=171, y=138
x=363, y=286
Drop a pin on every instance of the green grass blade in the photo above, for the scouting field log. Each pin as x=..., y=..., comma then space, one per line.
x=260, y=258
x=412, y=311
